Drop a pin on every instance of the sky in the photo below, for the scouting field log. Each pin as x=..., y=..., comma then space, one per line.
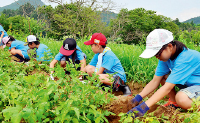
x=181, y=9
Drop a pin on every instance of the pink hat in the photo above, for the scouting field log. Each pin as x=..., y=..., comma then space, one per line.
x=5, y=41
x=97, y=38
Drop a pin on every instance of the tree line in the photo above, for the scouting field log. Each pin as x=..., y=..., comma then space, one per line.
x=82, y=18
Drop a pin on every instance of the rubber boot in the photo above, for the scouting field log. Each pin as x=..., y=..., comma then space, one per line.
x=126, y=90
x=119, y=84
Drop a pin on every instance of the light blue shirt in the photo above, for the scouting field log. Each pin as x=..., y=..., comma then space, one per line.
x=19, y=45
x=111, y=64
x=185, y=69
x=79, y=55
x=2, y=30
x=42, y=49
x=5, y=34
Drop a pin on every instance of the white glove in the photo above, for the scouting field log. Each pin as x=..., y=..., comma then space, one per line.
x=51, y=76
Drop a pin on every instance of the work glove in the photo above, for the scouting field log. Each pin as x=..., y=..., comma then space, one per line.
x=139, y=110
x=134, y=102
x=51, y=76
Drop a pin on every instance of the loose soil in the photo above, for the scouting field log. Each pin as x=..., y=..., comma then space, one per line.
x=120, y=105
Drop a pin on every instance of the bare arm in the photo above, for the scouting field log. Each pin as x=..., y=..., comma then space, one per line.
x=101, y=69
x=83, y=64
x=2, y=34
x=151, y=86
x=52, y=64
x=160, y=93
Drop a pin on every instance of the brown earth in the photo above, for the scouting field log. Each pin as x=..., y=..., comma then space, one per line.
x=119, y=105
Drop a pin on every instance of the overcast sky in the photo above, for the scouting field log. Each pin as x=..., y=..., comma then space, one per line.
x=182, y=9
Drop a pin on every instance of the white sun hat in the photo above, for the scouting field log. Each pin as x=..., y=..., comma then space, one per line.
x=155, y=40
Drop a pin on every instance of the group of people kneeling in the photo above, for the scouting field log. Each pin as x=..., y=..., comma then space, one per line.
x=178, y=66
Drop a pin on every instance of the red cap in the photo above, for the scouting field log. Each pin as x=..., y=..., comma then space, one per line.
x=97, y=38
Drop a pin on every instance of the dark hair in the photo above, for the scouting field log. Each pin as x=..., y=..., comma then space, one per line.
x=11, y=38
x=179, y=48
x=35, y=42
x=102, y=46
x=0, y=24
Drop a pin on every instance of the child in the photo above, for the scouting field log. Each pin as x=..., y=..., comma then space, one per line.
x=106, y=62
x=177, y=66
x=33, y=42
x=16, y=48
x=72, y=51
x=3, y=33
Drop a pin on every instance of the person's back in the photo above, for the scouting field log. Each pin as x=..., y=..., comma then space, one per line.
x=41, y=51
x=19, y=45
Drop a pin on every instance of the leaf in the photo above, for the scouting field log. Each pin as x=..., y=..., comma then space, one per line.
x=16, y=118
x=75, y=120
x=93, y=107
x=98, y=120
x=76, y=111
x=26, y=112
x=121, y=114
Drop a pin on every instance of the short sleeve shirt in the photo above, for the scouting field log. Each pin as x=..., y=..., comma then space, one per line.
x=42, y=49
x=2, y=30
x=19, y=45
x=111, y=64
x=79, y=55
x=185, y=69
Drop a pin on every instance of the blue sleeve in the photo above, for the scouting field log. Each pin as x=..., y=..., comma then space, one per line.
x=94, y=60
x=59, y=56
x=14, y=44
x=1, y=28
x=79, y=55
x=162, y=69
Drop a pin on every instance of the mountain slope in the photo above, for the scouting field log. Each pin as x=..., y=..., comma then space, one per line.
x=107, y=15
x=196, y=20
x=17, y=4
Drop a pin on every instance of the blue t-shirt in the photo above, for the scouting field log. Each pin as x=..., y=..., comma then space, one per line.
x=79, y=55
x=185, y=69
x=19, y=45
x=5, y=34
x=41, y=52
x=111, y=64
x=2, y=30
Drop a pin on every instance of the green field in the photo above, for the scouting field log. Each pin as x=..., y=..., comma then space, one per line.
x=28, y=95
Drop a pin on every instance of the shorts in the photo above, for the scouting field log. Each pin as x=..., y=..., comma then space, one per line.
x=114, y=77
x=192, y=92
x=18, y=58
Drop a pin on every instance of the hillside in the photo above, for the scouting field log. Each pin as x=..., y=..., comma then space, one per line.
x=18, y=3
x=107, y=15
x=196, y=20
